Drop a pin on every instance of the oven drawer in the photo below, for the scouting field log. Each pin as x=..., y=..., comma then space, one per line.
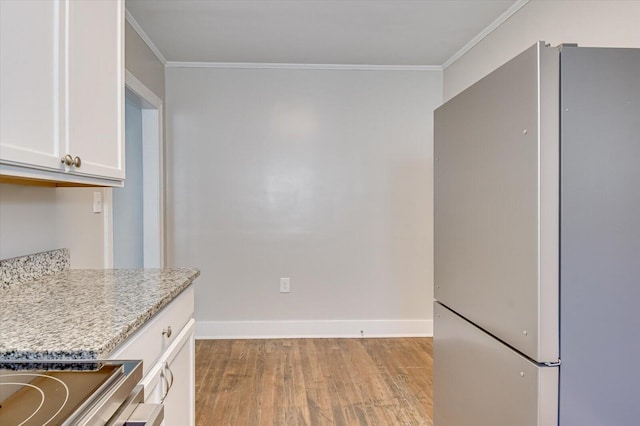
x=146, y=415
x=157, y=334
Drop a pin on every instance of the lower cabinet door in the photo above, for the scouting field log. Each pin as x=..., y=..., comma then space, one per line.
x=178, y=369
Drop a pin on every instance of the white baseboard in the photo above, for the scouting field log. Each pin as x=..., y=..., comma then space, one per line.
x=308, y=329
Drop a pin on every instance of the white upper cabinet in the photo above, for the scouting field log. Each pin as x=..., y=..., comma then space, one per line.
x=62, y=82
x=96, y=87
x=31, y=88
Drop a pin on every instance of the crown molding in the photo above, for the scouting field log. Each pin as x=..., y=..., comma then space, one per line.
x=145, y=37
x=488, y=30
x=258, y=65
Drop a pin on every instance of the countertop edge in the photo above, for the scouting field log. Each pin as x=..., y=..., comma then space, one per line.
x=143, y=318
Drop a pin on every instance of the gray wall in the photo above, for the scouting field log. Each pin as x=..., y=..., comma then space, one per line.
x=27, y=220
x=35, y=219
x=321, y=176
x=142, y=62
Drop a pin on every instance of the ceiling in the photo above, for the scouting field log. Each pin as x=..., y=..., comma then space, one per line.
x=349, y=32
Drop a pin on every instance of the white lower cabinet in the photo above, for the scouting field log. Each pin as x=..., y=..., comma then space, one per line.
x=178, y=370
x=166, y=346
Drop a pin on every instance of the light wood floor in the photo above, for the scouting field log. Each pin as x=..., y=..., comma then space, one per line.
x=314, y=382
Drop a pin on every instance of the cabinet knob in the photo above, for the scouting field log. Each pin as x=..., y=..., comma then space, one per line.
x=67, y=160
x=167, y=332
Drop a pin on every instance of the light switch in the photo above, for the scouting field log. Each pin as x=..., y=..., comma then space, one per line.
x=97, y=202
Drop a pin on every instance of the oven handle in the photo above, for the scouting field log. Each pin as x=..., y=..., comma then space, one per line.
x=134, y=412
x=146, y=415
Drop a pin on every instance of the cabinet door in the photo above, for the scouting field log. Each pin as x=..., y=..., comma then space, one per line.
x=31, y=53
x=179, y=403
x=95, y=87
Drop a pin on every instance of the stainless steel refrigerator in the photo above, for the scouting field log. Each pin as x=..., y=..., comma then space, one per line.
x=537, y=243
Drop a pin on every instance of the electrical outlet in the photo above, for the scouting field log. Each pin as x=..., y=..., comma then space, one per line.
x=97, y=202
x=285, y=285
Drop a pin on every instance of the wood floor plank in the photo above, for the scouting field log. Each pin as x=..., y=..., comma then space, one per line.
x=314, y=382
x=317, y=393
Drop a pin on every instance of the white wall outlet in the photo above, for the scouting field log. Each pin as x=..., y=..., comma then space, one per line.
x=97, y=202
x=285, y=285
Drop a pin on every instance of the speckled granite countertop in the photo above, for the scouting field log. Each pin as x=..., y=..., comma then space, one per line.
x=83, y=314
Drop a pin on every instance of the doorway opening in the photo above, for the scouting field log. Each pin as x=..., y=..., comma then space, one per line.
x=138, y=207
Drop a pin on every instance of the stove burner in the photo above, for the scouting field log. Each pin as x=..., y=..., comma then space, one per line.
x=46, y=397
x=26, y=393
x=41, y=399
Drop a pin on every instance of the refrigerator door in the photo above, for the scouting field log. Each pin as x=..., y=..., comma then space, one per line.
x=497, y=204
x=481, y=381
x=600, y=234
